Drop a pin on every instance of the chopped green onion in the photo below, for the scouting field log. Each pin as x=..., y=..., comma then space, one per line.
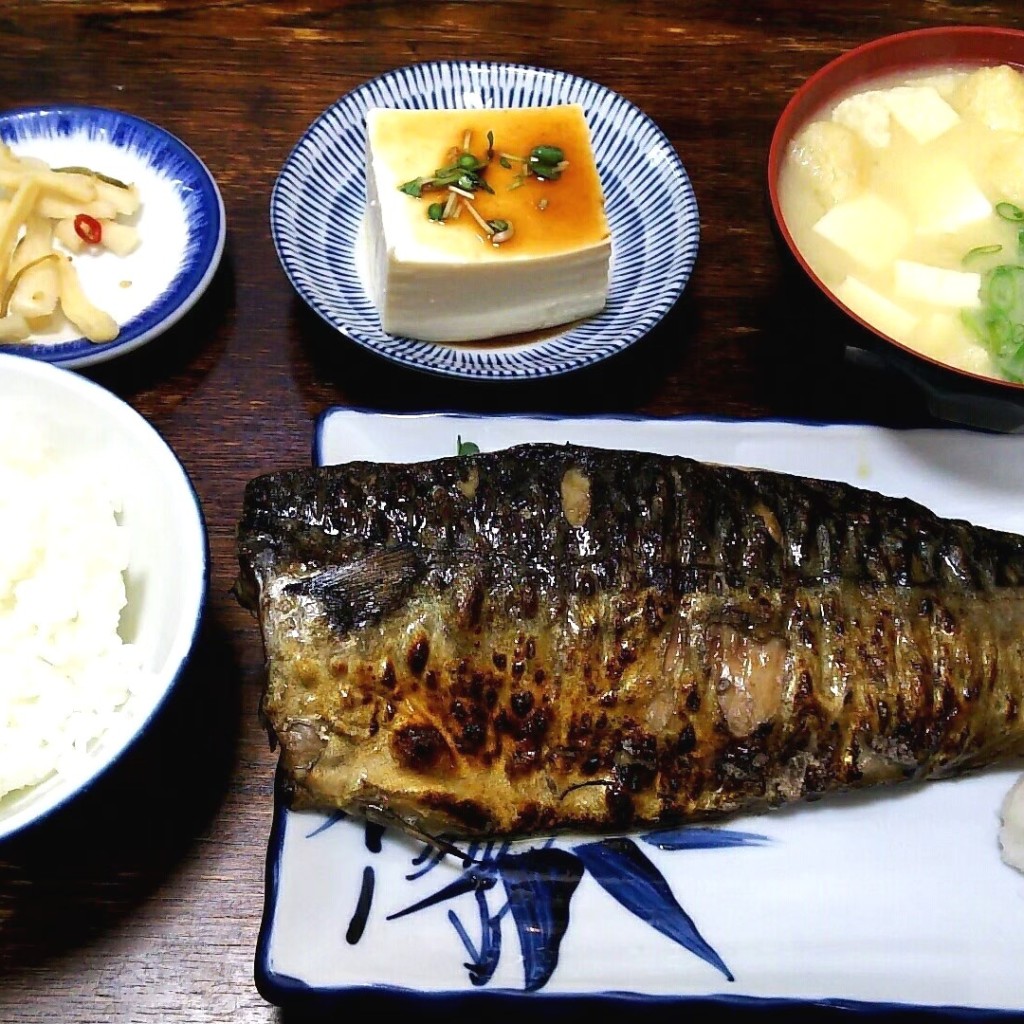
x=1001, y=287
x=999, y=323
x=1010, y=211
x=983, y=250
x=466, y=447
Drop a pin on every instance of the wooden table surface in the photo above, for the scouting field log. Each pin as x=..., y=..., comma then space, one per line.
x=143, y=901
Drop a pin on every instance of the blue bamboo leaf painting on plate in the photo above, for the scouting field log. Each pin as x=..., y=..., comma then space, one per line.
x=534, y=885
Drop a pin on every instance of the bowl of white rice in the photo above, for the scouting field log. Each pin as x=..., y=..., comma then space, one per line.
x=104, y=570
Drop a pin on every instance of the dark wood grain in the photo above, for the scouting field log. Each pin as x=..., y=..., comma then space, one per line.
x=142, y=902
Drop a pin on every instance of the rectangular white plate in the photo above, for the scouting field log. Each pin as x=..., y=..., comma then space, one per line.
x=866, y=902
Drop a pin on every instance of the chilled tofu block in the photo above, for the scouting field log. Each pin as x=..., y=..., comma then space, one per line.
x=921, y=111
x=867, y=228
x=873, y=307
x=936, y=285
x=515, y=246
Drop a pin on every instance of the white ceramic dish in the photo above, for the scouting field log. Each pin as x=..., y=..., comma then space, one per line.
x=168, y=562
x=866, y=903
x=318, y=200
x=181, y=224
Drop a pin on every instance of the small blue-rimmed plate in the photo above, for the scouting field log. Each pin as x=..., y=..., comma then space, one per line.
x=318, y=200
x=181, y=224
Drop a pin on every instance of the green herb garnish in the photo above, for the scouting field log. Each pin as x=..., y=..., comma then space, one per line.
x=413, y=188
x=463, y=176
x=545, y=162
x=466, y=172
x=466, y=447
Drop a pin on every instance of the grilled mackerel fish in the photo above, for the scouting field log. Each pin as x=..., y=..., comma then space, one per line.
x=555, y=637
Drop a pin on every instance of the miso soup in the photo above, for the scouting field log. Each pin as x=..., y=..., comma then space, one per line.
x=906, y=198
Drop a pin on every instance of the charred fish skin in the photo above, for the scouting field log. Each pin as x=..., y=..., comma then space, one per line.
x=558, y=637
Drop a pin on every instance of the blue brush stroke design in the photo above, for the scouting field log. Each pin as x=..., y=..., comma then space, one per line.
x=427, y=859
x=696, y=837
x=329, y=822
x=364, y=901
x=540, y=884
x=622, y=869
x=477, y=877
x=483, y=962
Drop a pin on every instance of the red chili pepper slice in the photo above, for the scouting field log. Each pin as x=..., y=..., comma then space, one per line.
x=88, y=229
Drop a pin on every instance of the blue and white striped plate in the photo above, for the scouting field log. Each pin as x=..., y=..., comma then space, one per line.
x=181, y=224
x=317, y=204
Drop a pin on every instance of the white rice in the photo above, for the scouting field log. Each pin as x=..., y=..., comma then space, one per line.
x=64, y=670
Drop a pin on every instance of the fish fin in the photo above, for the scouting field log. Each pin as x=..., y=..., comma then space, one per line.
x=386, y=816
x=361, y=591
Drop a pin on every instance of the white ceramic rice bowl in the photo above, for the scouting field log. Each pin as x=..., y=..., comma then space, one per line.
x=168, y=562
